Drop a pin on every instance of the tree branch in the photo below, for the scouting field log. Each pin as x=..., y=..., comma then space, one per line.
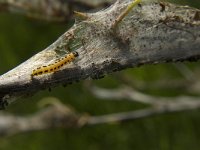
x=157, y=105
x=57, y=115
x=151, y=33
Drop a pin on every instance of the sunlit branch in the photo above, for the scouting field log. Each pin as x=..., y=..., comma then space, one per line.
x=151, y=33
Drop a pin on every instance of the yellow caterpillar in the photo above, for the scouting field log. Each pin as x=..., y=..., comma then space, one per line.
x=55, y=66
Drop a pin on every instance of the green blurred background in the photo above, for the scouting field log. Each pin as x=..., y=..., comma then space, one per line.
x=21, y=37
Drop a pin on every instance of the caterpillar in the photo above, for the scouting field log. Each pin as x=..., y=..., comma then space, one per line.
x=55, y=66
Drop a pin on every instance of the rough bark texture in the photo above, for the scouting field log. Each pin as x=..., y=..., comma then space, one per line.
x=152, y=32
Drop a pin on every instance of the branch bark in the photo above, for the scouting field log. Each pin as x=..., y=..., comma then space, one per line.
x=151, y=33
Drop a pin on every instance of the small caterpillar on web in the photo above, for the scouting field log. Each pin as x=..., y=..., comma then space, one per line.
x=55, y=66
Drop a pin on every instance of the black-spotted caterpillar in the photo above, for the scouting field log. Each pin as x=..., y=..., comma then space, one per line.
x=55, y=66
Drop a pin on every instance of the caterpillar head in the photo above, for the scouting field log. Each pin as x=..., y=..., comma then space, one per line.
x=75, y=54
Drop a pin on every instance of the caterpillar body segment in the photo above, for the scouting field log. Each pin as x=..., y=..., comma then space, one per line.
x=55, y=66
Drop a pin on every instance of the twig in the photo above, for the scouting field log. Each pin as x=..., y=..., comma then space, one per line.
x=121, y=93
x=55, y=115
x=128, y=93
x=186, y=72
x=157, y=105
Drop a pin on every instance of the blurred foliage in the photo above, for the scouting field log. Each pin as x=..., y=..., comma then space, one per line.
x=21, y=37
